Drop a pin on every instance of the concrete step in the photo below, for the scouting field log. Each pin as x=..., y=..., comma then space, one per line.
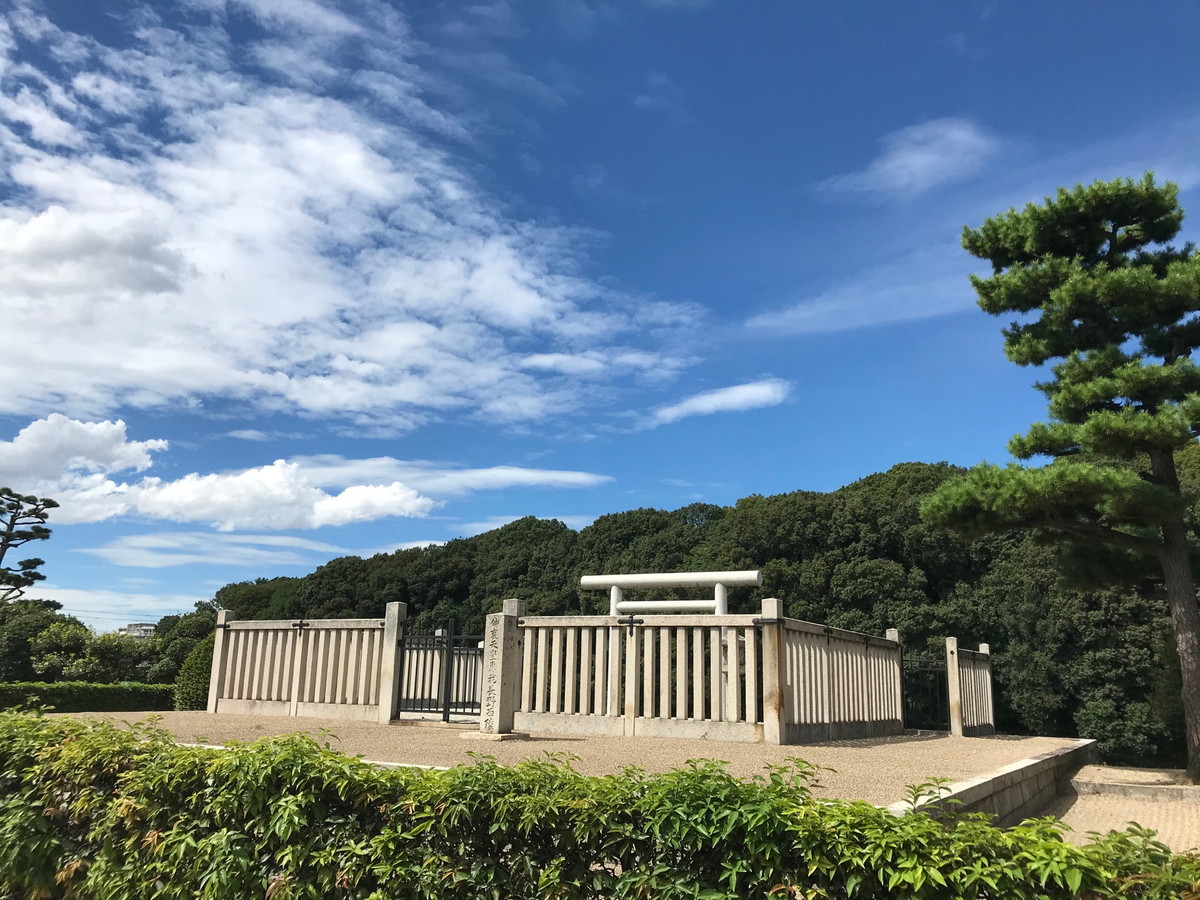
x=1140, y=784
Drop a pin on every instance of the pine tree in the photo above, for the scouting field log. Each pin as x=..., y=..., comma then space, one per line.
x=1098, y=291
x=22, y=519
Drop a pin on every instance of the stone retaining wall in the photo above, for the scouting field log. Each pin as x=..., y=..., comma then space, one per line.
x=1017, y=791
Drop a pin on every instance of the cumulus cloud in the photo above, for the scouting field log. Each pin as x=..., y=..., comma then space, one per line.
x=274, y=496
x=920, y=157
x=295, y=234
x=48, y=447
x=81, y=465
x=752, y=395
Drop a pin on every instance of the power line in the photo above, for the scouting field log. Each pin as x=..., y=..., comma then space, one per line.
x=104, y=615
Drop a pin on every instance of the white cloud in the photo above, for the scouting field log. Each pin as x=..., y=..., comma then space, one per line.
x=48, y=447
x=79, y=464
x=181, y=227
x=177, y=548
x=437, y=479
x=274, y=496
x=921, y=285
x=752, y=395
x=919, y=157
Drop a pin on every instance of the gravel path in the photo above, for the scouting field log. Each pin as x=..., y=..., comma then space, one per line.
x=1177, y=822
x=876, y=770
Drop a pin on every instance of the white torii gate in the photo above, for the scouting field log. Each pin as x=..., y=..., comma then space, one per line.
x=718, y=581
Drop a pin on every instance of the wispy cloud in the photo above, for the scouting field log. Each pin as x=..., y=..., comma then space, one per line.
x=740, y=397
x=296, y=236
x=178, y=548
x=659, y=93
x=920, y=157
x=437, y=479
x=919, y=285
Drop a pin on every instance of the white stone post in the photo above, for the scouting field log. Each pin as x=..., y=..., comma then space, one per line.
x=954, y=687
x=389, y=660
x=503, y=653
x=216, y=676
x=897, y=685
x=775, y=687
x=989, y=726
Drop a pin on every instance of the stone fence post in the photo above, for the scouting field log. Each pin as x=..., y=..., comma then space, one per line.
x=390, y=677
x=775, y=692
x=503, y=652
x=216, y=675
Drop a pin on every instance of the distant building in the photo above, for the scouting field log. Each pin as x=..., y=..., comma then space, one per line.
x=138, y=629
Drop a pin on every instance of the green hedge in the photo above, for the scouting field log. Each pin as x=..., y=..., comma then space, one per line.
x=88, y=810
x=80, y=696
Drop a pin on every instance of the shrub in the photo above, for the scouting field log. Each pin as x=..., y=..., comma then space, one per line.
x=81, y=696
x=90, y=810
x=191, y=685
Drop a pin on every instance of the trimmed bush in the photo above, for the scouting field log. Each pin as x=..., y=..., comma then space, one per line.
x=92, y=811
x=82, y=696
x=191, y=685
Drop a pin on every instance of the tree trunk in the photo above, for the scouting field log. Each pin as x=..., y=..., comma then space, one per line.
x=1185, y=611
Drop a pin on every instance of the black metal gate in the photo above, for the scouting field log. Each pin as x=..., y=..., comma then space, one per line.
x=926, y=695
x=441, y=673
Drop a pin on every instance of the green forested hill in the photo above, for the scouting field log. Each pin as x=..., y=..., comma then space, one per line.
x=1095, y=662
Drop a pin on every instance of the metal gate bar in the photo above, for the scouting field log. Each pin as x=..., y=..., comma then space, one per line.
x=441, y=673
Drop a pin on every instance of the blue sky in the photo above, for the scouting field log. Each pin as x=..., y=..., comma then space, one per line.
x=284, y=280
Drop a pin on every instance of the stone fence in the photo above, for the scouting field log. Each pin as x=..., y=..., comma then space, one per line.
x=736, y=678
x=330, y=668
x=969, y=676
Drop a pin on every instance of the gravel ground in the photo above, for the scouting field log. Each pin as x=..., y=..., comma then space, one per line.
x=1177, y=822
x=876, y=770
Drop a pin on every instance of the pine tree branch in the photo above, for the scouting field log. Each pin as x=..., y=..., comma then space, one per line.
x=1093, y=531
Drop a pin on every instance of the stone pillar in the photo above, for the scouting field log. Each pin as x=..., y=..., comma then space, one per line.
x=775, y=693
x=503, y=652
x=720, y=600
x=897, y=675
x=954, y=687
x=216, y=676
x=390, y=676
x=988, y=699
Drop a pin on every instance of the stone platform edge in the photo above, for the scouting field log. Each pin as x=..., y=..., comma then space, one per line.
x=1016, y=791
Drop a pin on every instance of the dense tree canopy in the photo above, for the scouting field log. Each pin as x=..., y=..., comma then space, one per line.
x=859, y=557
